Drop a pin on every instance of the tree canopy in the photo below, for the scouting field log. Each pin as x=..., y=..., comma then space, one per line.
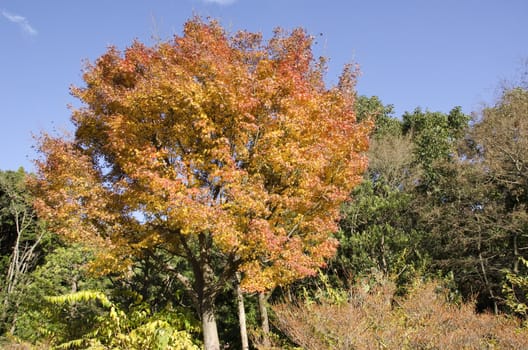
x=223, y=150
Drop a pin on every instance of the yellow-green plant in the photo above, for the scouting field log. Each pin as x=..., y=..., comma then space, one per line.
x=515, y=290
x=136, y=330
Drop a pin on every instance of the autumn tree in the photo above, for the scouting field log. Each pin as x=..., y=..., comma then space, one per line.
x=227, y=152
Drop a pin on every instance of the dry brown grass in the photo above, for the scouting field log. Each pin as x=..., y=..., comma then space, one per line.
x=376, y=319
x=15, y=345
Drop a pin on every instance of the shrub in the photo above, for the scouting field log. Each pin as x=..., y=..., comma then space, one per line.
x=374, y=318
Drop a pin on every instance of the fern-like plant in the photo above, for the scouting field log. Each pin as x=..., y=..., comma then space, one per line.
x=136, y=330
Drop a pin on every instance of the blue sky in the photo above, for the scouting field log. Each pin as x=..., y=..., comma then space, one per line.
x=430, y=53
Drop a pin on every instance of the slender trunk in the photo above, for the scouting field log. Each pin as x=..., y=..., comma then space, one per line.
x=241, y=314
x=21, y=260
x=263, y=309
x=210, y=333
x=486, y=281
x=13, y=324
x=15, y=318
x=289, y=295
x=515, y=253
x=484, y=271
x=384, y=266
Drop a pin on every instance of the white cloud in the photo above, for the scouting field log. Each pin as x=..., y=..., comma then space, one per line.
x=21, y=21
x=220, y=2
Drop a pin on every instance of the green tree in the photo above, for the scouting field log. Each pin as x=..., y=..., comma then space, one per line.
x=63, y=271
x=21, y=236
x=377, y=233
x=499, y=140
x=372, y=108
x=398, y=220
x=473, y=200
x=515, y=289
x=377, y=226
x=465, y=229
x=435, y=136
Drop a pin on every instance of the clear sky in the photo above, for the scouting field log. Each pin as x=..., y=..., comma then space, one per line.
x=430, y=53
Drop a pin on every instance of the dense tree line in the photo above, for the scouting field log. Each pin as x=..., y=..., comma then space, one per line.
x=140, y=234
x=446, y=195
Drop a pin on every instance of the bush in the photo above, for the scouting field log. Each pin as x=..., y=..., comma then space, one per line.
x=374, y=318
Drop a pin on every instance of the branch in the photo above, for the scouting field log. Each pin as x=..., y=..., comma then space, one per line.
x=186, y=282
x=231, y=267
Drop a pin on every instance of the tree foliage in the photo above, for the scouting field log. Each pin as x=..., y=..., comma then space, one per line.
x=63, y=271
x=499, y=142
x=377, y=228
x=226, y=151
x=21, y=238
x=435, y=136
x=475, y=209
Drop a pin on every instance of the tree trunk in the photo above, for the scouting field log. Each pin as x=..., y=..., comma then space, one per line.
x=203, y=289
x=210, y=333
x=263, y=309
x=484, y=270
x=384, y=265
x=516, y=254
x=204, y=283
x=204, y=303
x=241, y=314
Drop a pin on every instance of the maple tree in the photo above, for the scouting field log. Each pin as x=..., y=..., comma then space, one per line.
x=227, y=151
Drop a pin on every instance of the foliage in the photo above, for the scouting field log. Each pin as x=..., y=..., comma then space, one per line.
x=223, y=150
x=149, y=280
x=371, y=108
x=377, y=233
x=515, y=289
x=22, y=240
x=435, y=136
x=378, y=225
x=477, y=219
x=500, y=138
x=217, y=153
x=14, y=198
x=373, y=317
x=10, y=184
x=442, y=196
x=116, y=329
x=62, y=272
